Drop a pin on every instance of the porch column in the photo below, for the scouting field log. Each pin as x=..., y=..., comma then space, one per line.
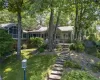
x=72, y=36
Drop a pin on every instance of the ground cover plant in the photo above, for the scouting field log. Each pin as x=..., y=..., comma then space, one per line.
x=77, y=75
x=71, y=64
x=37, y=66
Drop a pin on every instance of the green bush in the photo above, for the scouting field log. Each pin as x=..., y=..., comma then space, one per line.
x=36, y=42
x=72, y=47
x=92, y=37
x=24, y=46
x=77, y=46
x=96, y=67
x=59, y=48
x=71, y=64
x=6, y=43
x=98, y=54
x=77, y=75
x=44, y=46
x=41, y=49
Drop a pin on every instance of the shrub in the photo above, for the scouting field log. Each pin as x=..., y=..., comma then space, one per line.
x=77, y=46
x=96, y=67
x=59, y=47
x=78, y=75
x=44, y=46
x=71, y=64
x=98, y=54
x=92, y=37
x=72, y=47
x=41, y=49
x=36, y=42
x=24, y=46
x=6, y=43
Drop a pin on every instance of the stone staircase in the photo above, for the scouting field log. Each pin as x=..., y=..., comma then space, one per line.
x=57, y=69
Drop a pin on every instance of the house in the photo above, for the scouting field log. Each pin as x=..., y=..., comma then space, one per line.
x=12, y=29
x=63, y=34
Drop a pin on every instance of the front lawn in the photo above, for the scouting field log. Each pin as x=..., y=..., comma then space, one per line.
x=37, y=66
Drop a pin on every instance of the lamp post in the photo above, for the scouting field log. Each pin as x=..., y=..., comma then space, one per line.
x=24, y=62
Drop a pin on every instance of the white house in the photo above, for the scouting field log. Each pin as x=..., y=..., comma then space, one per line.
x=63, y=34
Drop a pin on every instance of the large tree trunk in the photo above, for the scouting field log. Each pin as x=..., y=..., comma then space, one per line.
x=19, y=35
x=76, y=21
x=58, y=17
x=51, y=31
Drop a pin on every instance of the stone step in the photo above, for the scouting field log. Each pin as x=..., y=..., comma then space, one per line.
x=54, y=77
x=58, y=65
x=56, y=72
x=59, y=60
x=58, y=69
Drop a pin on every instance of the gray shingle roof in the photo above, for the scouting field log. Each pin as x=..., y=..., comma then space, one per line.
x=7, y=25
x=66, y=28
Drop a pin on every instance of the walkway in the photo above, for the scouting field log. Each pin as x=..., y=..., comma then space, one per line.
x=57, y=69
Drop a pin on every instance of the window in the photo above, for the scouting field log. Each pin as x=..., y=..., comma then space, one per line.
x=14, y=31
x=24, y=35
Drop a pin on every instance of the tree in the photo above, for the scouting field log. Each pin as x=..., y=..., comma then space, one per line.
x=17, y=7
x=6, y=43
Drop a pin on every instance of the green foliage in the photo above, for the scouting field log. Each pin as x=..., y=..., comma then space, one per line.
x=92, y=37
x=98, y=54
x=24, y=46
x=96, y=67
x=1, y=4
x=37, y=42
x=77, y=75
x=72, y=47
x=71, y=64
x=6, y=17
x=77, y=46
x=59, y=47
x=6, y=42
x=37, y=66
x=41, y=49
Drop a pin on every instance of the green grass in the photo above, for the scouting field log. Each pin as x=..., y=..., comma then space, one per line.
x=37, y=66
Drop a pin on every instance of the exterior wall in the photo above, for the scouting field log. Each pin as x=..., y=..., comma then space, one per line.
x=61, y=36
x=64, y=37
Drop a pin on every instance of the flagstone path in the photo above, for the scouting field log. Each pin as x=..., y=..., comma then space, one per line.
x=57, y=69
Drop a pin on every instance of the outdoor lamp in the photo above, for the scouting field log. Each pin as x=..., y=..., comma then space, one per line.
x=24, y=65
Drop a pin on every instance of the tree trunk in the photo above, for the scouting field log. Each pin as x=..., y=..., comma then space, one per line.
x=58, y=17
x=19, y=36
x=51, y=31
x=76, y=21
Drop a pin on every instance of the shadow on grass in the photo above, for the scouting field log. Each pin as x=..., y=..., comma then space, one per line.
x=37, y=67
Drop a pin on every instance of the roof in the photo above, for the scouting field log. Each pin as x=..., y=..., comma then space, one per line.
x=7, y=25
x=41, y=29
x=98, y=27
x=66, y=28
